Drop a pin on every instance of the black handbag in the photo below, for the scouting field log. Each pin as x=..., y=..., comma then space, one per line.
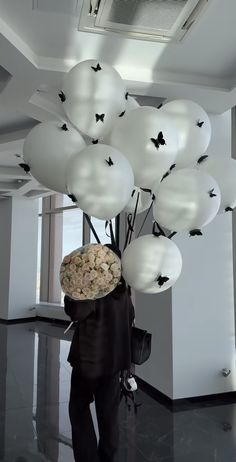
x=140, y=345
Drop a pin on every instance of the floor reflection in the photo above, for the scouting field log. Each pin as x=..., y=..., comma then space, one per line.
x=34, y=422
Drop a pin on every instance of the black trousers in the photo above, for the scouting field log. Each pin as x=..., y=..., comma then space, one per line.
x=106, y=392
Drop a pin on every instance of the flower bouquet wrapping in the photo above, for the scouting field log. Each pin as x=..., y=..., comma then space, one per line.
x=90, y=272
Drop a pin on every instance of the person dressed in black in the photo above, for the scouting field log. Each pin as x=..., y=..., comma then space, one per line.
x=100, y=350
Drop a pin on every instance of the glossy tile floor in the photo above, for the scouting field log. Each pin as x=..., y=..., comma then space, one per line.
x=34, y=423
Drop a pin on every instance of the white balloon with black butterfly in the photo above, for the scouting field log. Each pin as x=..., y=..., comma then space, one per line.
x=194, y=130
x=186, y=200
x=93, y=95
x=223, y=169
x=101, y=180
x=47, y=149
x=149, y=140
x=151, y=264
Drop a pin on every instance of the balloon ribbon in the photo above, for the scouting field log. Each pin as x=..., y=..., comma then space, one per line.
x=92, y=228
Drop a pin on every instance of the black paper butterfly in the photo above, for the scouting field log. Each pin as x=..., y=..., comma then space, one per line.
x=65, y=128
x=97, y=68
x=25, y=167
x=228, y=209
x=200, y=124
x=110, y=162
x=195, y=232
x=94, y=141
x=62, y=96
x=172, y=167
x=211, y=193
x=165, y=176
x=202, y=158
x=122, y=114
x=72, y=197
x=100, y=117
x=159, y=140
x=162, y=280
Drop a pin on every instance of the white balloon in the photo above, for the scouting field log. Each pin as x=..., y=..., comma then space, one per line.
x=186, y=200
x=132, y=104
x=144, y=201
x=224, y=171
x=94, y=97
x=47, y=148
x=147, y=260
x=136, y=135
x=194, y=130
x=101, y=179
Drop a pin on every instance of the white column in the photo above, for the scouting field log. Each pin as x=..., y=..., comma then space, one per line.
x=18, y=257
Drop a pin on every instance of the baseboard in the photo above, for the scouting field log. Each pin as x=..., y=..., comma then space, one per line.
x=17, y=321
x=178, y=405
x=33, y=319
x=61, y=322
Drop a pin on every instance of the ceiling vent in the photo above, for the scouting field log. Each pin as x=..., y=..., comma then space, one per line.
x=152, y=20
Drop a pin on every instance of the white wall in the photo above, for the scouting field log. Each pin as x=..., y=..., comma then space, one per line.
x=203, y=299
x=199, y=328
x=154, y=313
x=23, y=257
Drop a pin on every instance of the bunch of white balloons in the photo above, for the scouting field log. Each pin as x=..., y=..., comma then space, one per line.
x=137, y=157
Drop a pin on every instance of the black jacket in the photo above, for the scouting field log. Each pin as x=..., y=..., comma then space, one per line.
x=102, y=340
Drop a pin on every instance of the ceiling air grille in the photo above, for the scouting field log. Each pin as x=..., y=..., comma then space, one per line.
x=160, y=20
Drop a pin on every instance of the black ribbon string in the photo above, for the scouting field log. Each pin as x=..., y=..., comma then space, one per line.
x=172, y=234
x=92, y=228
x=131, y=223
x=160, y=230
x=112, y=235
x=144, y=221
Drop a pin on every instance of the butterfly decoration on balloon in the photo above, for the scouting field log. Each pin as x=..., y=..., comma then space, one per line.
x=139, y=159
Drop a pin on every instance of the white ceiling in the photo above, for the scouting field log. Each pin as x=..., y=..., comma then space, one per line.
x=39, y=43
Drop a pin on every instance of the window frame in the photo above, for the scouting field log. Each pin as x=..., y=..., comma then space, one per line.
x=51, y=245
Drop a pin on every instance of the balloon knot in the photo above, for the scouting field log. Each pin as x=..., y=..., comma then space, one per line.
x=202, y=159
x=122, y=114
x=65, y=128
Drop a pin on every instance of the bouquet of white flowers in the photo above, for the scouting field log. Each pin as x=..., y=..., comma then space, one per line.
x=90, y=272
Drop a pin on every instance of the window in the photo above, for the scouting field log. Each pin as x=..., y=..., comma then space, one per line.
x=103, y=234
x=62, y=229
